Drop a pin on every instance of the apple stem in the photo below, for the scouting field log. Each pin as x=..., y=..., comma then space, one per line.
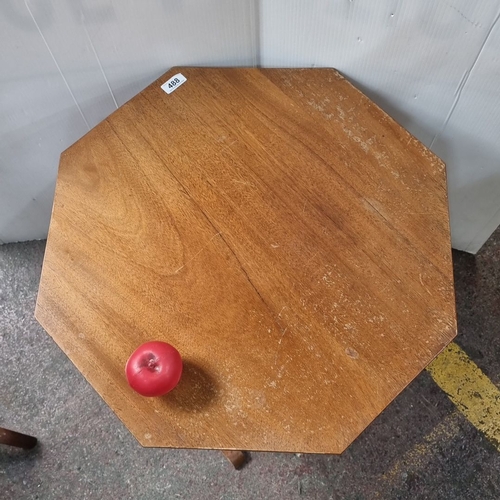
x=150, y=362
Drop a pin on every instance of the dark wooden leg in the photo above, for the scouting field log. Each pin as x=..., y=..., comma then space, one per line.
x=13, y=438
x=237, y=458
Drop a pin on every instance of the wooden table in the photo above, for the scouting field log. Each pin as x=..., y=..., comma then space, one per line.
x=278, y=228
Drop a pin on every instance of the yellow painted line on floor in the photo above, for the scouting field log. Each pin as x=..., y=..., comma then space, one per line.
x=420, y=455
x=472, y=392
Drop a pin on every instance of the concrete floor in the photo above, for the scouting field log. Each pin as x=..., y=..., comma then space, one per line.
x=420, y=447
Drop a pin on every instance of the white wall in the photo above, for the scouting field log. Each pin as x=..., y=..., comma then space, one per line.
x=433, y=65
x=67, y=64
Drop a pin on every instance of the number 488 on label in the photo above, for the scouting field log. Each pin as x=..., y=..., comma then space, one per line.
x=176, y=81
x=173, y=83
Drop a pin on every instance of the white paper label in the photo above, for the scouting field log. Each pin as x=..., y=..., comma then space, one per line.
x=176, y=81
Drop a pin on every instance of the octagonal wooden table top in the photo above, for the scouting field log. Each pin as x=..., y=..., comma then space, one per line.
x=278, y=228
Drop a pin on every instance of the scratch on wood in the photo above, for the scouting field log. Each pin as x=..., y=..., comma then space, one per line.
x=198, y=253
x=279, y=345
x=282, y=309
x=311, y=258
x=282, y=335
x=422, y=283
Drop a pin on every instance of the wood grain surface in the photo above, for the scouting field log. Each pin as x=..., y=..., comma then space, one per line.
x=278, y=228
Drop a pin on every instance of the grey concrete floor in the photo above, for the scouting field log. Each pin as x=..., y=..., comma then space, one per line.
x=420, y=447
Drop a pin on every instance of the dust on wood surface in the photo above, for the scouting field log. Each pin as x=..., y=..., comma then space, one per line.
x=278, y=228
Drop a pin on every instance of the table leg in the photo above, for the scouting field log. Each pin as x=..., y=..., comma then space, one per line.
x=13, y=438
x=237, y=458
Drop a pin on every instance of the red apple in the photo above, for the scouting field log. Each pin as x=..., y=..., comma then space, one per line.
x=154, y=368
